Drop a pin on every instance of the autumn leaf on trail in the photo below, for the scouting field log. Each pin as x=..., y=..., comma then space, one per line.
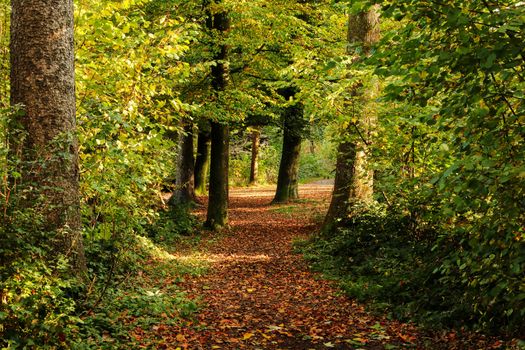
x=247, y=336
x=407, y=338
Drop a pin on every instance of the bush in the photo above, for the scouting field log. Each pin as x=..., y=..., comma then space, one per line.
x=37, y=293
x=37, y=308
x=408, y=269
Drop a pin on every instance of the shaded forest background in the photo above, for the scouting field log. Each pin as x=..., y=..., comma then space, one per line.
x=421, y=122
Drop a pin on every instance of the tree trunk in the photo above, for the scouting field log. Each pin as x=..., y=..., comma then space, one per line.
x=184, y=193
x=43, y=84
x=217, y=215
x=254, y=167
x=363, y=179
x=202, y=162
x=344, y=174
x=364, y=28
x=287, y=181
x=354, y=179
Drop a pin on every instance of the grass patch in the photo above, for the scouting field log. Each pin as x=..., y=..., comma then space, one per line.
x=285, y=209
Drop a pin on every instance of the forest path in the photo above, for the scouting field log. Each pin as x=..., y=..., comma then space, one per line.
x=258, y=294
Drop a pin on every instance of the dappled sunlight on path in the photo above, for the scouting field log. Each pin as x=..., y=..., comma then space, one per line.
x=221, y=258
x=260, y=295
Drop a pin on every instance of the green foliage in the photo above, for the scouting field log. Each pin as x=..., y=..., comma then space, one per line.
x=42, y=305
x=380, y=256
x=241, y=156
x=448, y=156
x=140, y=291
x=459, y=65
x=448, y=245
x=128, y=69
x=128, y=63
x=37, y=293
x=317, y=160
x=239, y=168
x=37, y=308
x=4, y=188
x=173, y=223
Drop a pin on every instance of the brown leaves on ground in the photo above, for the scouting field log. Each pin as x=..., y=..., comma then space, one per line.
x=260, y=295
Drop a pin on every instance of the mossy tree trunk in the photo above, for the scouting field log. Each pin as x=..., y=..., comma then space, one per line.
x=344, y=174
x=184, y=193
x=354, y=179
x=254, y=166
x=44, y=137
x=202, y=161
x=364, y=29
x=217, y=214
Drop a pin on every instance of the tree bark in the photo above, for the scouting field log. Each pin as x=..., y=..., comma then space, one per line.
x=287, y=181
x=202, y=161
x=217, y=214
x=254, y=166
x=43, y=84
x=364, y=28
x=354, y=179
x=344, y=174
x=184, y=193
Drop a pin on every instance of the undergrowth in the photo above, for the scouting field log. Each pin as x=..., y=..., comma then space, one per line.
x=146, y=295
x=131, y=286
x=395, y=264
x=143, y=289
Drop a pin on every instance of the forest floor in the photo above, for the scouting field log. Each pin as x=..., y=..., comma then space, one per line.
x=259, y=294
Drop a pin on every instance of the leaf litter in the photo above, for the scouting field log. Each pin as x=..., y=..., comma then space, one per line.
x=259, y=294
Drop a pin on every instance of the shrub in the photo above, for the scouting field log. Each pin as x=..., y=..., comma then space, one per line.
x=416, y=272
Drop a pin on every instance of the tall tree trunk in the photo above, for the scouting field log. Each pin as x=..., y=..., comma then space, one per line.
x=217, y=215
x=254, y=166
x=364, y=28
x=184, y=193
x=287, y=181
x=202, y=161
x=43, y=84
x=354, y=179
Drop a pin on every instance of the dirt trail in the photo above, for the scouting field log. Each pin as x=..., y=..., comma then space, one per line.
x=260, y=295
